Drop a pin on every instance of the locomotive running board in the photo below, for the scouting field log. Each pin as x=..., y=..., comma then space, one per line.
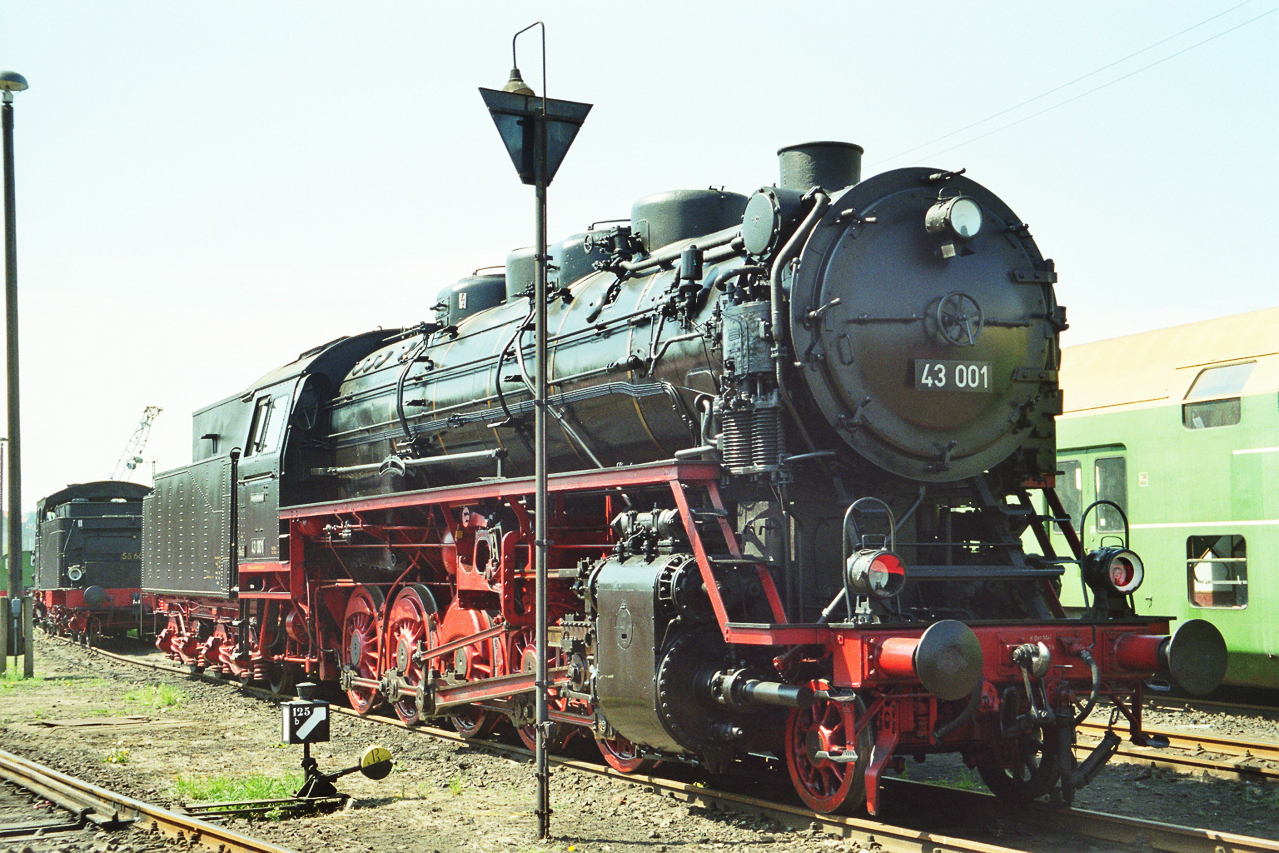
x=604, y=479
x=680, y=476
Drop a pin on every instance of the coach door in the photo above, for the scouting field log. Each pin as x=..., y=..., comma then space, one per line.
x=1085, y=475
x=1092, y=474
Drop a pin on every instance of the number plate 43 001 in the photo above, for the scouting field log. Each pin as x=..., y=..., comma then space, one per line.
x=937, y=375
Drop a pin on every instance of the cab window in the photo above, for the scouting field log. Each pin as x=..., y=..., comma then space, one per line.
x=268, y=422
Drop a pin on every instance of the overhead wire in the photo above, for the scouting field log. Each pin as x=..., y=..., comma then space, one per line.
x=1077, y=80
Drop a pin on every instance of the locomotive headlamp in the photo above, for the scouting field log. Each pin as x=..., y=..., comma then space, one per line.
x=1114, y=570
x=876, y=573
x=957, y=216
x=74, y=574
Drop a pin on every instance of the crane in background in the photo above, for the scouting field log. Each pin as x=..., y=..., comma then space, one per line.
x=132, y=455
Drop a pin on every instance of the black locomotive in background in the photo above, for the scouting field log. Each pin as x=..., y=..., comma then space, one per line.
x=794, y=440
x=88, y=559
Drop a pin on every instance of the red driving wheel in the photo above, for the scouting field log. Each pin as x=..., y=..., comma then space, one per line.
x=410, y=629
x=361, y=636
x=470, y=663
x=525, y=651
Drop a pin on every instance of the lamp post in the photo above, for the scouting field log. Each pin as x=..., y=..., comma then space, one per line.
x=537, y=133
x=10, y=82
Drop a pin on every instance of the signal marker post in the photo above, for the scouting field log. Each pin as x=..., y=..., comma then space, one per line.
x=306, y=721
x=537, y=132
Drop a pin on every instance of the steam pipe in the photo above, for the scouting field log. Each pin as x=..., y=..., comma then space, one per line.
x=965, y=716
x=399, y=390
x=497, y=454
x=821, y=201
x=655, y=354
x=670, y=254
x=754, y=691
x=1086, y=657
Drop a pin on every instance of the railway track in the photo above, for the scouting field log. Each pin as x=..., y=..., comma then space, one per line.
x=904, y=839
x=1249, y=760
x=85, y=804
x=975, y=809
x=29, y=819
x=1261, y=703
x=1226, y=758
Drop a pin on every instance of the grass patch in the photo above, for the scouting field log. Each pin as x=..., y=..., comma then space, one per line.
x=419, y=791
x=118, y=754
x=12, y=679
x=258, y=786
x=962, y=778
x=965, y=779
x=1261, y=796
x=156, y=696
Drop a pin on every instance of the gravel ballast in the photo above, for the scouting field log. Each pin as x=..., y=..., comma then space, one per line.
x=448, y=797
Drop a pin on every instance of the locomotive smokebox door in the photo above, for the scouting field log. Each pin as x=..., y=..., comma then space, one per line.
x=305, y=720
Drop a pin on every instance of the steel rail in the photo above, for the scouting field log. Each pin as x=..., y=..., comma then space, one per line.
x=108, y=808
x=1140, y=833
x=1249, y=760
x=1195, y=742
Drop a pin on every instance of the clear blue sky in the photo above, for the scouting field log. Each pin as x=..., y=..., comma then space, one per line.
x=207, y=189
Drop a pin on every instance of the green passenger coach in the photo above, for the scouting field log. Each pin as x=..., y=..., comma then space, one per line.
x=1179, y=427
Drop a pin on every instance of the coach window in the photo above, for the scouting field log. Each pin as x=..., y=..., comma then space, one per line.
x=1070, y=488
x=1112, y=485
x=1217, y=571
x=1213, y=398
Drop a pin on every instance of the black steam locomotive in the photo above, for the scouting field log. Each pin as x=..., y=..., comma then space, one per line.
x=794, y=438
x=88, y=559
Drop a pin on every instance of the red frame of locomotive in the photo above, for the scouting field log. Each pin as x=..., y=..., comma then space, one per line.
x=67, y=613
x=317, y=626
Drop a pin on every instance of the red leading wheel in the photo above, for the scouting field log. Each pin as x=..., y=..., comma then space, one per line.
x=361, y=634
x=827, y=760
x=1031, y=774
x=410, y=629
x=623, y=756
